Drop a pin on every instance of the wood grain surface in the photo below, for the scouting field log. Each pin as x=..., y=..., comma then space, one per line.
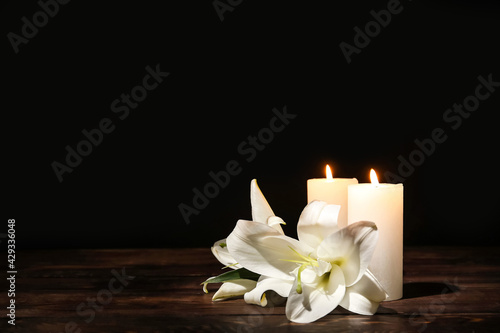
x=446, y=289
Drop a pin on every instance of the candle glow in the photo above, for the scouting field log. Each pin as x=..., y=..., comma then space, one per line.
x=373, y=177
x=328, y=172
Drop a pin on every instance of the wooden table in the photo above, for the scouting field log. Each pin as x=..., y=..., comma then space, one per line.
x=446, y=290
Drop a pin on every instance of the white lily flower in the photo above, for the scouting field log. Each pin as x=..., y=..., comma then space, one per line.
x=326, y=268
x=219, y=250
x=257, y=294
x=234, y=288
x=261, y=212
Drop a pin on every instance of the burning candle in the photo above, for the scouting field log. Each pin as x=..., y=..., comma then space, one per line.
x=333, y=191
x=383, y=205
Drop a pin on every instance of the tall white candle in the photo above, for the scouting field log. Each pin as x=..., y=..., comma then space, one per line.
x=333, y=191
x=382, y=204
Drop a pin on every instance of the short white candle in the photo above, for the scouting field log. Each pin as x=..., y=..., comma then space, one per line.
x=382, y=204
x=333, y=191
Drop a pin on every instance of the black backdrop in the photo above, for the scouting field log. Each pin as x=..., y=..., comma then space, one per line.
x=225, y=78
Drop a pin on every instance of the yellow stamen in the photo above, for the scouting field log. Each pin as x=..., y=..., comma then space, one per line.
x=306, y=261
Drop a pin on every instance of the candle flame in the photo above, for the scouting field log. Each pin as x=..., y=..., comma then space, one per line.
x=328, y=172
x=373, y=177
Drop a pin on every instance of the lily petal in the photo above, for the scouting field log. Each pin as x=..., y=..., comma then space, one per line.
x=234, y=288
x=322, y=268
x=317, y=298
x=351, y=248
x=263, y=250
x=219, y=250
x=280, y=286
x=261, y=211
x=317, y=221
x=364, y=296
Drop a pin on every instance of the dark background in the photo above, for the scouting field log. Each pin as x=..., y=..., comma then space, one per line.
x=225, y=79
